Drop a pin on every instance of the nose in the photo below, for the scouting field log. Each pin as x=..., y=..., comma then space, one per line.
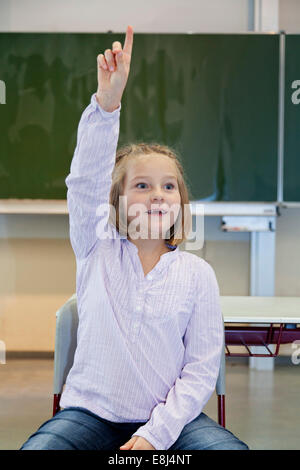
x=157, y=197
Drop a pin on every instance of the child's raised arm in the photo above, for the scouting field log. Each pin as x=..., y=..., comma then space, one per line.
x=113, y=73
x=89, y=180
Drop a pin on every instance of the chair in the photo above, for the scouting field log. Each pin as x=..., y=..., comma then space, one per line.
x=65, y=346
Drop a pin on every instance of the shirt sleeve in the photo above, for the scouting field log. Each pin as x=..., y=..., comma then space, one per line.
x=203, y=341
x=89, y=180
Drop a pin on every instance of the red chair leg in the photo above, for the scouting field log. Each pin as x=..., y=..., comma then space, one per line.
x=56, y=399
x=221, y=410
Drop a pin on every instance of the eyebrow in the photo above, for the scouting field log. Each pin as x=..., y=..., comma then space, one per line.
x=166, y=176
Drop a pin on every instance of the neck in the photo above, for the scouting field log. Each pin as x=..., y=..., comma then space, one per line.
x=150, y=247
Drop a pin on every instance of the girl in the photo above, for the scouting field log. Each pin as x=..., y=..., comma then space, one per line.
x=150, y=332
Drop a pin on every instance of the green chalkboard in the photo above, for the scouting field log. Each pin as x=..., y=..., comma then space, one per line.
x=291, y=185
x=212, y=97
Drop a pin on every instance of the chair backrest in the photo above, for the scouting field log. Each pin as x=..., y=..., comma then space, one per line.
x=220, y=385
x=65, y=342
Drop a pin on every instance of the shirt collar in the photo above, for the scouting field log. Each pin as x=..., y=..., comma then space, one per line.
x=165, y=259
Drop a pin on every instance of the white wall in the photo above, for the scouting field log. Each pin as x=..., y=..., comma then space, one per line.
x=101, y=15
x=289, y=16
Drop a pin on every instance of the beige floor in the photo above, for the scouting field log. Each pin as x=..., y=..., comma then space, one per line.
x=262, y=408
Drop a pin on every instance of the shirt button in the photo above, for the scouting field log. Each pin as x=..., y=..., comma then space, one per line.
x=138, y=308
x=135, y=326
x=150, y=277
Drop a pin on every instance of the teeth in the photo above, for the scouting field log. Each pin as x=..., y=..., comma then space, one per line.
x=156, y=211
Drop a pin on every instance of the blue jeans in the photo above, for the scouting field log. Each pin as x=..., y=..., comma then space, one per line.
x=79, y=429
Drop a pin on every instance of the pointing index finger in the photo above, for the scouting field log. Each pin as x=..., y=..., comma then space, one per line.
x=128, y=40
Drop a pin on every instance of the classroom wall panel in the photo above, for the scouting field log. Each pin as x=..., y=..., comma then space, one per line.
x=291, y=174
x=211, y=97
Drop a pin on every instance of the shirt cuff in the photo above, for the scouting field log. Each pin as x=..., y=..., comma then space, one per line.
x=156, y=443
x=105, y=114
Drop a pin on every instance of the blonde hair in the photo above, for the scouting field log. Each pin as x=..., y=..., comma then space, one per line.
x=132, y=152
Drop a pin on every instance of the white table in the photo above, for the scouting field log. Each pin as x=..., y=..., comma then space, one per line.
x=258, y=315
x=253, y=309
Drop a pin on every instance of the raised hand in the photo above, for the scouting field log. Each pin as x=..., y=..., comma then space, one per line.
x=113, y=70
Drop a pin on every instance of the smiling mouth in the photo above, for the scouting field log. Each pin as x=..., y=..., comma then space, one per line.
x=156, y=212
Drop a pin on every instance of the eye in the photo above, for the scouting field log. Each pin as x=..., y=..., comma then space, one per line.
x=167, y=184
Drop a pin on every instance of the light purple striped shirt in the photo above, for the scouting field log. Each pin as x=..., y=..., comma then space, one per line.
x=148, y=347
